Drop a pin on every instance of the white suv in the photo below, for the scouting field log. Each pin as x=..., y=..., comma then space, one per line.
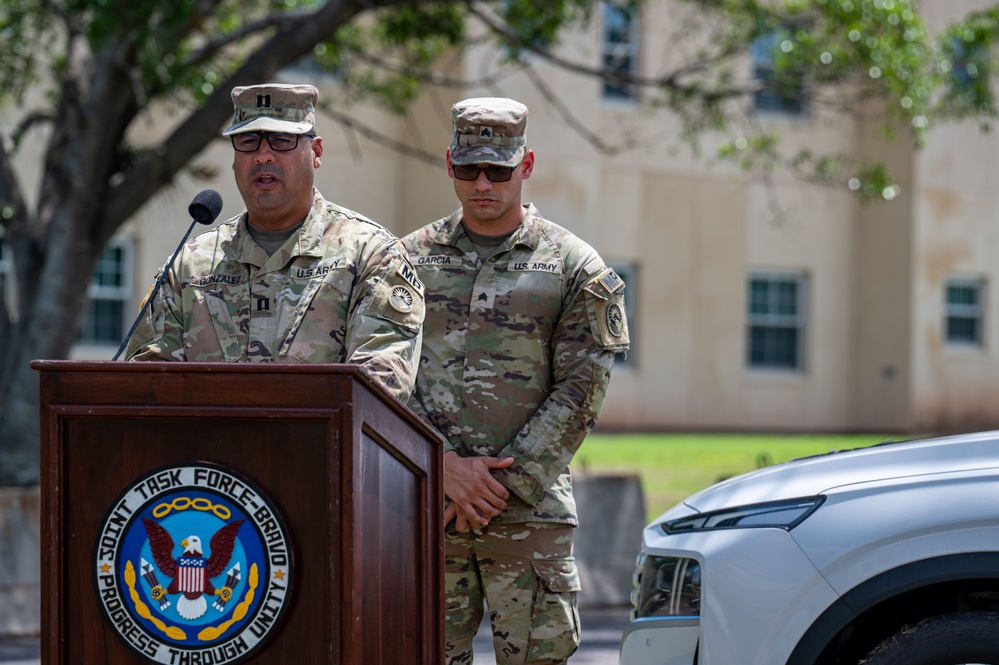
x=888, y=554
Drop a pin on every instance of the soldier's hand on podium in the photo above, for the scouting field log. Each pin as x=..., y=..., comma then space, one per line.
x=476, y=496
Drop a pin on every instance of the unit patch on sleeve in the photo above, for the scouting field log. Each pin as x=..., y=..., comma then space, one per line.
x=615, y=319
x=193, y=565
x=402, y=299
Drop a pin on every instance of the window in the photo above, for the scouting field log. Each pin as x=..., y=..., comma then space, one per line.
x=620, y=48
x=8, y=292
x=110, y=290
x=968, y=63
x=963, y=298
x=968, y=75
x=629, y=275
x=6, y=266
x=781, y=91
x=776, y=321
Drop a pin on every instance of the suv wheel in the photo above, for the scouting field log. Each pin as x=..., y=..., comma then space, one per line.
x=951, y=639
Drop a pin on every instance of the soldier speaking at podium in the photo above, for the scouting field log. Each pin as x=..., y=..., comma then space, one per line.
x=293, y=278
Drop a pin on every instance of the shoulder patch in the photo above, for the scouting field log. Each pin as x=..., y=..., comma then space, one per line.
x=407, y=273
x=402, y=299
x=610, y=281
x=615, y=320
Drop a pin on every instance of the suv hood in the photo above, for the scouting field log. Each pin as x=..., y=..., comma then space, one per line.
x=819, y=474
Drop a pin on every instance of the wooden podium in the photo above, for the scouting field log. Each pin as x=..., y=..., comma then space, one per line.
x=338, y=553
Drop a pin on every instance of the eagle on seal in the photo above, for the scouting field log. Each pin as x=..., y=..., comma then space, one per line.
x=191, y=574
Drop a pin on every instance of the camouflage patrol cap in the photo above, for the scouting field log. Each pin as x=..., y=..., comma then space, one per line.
x=273, y=107
x=488, y=130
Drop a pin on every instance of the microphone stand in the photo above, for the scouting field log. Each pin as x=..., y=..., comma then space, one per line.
x=155, y=289
x=204, y=209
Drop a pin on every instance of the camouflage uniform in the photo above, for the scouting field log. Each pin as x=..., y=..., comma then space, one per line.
x=340, y=290
x=516, y=358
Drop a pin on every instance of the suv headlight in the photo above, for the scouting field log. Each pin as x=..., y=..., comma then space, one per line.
x=780, y=514
x=666, y=586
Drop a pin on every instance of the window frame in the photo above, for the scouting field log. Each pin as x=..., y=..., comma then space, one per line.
x=769, y=98
x=116, y=293
x=775, y=321
x=974, y=312
x=614, y=53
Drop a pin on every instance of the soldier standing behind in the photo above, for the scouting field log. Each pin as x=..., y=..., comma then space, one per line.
x=293, y=278
x=523, y=322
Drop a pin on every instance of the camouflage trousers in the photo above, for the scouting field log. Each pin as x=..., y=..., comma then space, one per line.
x=526, y=575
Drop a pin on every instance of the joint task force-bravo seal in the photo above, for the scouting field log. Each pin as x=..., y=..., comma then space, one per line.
x=193, y=564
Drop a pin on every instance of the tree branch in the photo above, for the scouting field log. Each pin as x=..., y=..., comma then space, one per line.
x=380, y=138
x=291, y=42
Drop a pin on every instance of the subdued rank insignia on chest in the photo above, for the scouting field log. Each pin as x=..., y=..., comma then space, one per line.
x=615, y=319
x=402, y=299
x=193, y=564
x=610, y=281
x=407, y=273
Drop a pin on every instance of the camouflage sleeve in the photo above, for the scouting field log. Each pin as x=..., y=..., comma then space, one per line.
x=159, y=333
x=385, y=324
x=433, y=419
x=592, y=329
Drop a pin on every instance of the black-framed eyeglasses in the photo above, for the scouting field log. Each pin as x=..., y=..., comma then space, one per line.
x=469, y=172
x=278, y=141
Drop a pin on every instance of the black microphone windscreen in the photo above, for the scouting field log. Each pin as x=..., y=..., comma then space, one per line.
x=206, y=206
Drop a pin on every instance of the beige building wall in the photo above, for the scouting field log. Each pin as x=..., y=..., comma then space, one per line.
x=882, y=315
x=694, y=230
x=955, y=234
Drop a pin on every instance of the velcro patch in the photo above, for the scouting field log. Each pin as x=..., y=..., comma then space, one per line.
x=536, y=266
x=407, y=272
x=610, y=281
x=435, y=260
x=402, y=299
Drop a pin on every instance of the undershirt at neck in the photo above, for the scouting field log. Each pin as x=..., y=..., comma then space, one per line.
x=271, y=241
x=486, y=245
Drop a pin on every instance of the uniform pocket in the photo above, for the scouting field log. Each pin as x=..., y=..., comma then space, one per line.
x=555, y=626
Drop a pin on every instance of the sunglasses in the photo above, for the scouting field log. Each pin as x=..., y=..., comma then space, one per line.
x=469, y=172
x=278, y=141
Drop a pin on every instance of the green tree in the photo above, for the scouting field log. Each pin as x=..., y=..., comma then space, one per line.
x=97, y=67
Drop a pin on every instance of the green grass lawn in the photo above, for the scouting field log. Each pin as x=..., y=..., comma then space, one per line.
x=674, y=466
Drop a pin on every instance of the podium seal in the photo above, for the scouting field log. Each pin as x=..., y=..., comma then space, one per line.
x=193, y=564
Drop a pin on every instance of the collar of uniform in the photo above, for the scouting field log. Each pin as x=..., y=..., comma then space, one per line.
x=450, y=230
x=528, y=234
x=310, y=236
x=241, y=246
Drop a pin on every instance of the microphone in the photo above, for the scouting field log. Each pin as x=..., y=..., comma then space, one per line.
x=204, y=209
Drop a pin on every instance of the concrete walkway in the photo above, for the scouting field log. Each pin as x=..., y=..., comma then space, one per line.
x=602, y=628
x=20, y=651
